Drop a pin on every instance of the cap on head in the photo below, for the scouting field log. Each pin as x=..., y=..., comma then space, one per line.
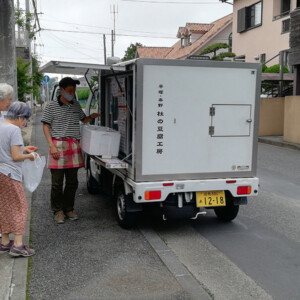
x=68, y=81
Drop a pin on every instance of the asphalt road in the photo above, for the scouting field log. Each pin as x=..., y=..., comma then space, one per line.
x=254, y=257
x=258, y=255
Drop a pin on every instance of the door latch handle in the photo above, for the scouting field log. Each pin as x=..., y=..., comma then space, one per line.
x=249, y=121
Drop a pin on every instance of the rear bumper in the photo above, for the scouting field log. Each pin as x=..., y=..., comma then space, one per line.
x=186, y=186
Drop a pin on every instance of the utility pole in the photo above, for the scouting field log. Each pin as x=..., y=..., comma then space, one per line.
x=104, y=47
x=112, y=43
x=28, y=44
x=19, y=30
x=113, y=11
x=8, y=67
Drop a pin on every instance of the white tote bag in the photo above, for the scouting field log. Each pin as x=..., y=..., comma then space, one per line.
x=33, y=172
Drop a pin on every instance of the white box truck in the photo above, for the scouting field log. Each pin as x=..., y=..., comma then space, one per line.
x=189, y=134
x=188, y=137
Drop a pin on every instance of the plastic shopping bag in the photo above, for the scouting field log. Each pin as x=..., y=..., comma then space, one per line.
x=33, y=172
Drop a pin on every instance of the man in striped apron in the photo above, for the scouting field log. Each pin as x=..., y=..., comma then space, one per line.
x=61, y=126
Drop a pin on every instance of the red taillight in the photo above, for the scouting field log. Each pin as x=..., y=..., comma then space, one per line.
x=244, y=190
x=230, y=181
x=168, y=184
x=152, y=195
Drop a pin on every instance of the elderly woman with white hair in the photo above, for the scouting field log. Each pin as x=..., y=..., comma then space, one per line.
x=13, y=204
x=6, y=94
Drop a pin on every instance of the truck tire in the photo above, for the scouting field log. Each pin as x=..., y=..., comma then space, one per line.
x=91, y=183
x=227, y=213
x=126, y=219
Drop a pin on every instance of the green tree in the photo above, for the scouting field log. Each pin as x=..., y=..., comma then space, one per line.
x=214, y=48
x=23, y=20
x=131, y=51
x=26, y=83
x=24, y=79
x=37, y=78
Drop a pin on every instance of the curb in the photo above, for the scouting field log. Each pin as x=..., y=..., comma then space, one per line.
x=279, y=143
x=183, y=276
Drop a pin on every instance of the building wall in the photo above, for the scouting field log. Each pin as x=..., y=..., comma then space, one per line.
x=266, y=38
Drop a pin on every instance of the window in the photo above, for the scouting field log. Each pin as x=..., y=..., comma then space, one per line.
x=298, y=3
x=230, y=42
x=254, y=15
x=285, y=6
x=190, y=39
x=249, y=17
x=286, y=26
x=182, y=42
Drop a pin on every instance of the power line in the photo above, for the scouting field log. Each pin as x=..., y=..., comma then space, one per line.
x=101, y=33
x=137, y=31
x=56, y=21
x=62, y=43
x=36, y=15
x=62, y=57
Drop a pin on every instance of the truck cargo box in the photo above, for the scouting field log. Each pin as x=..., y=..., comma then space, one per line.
x=194, y=119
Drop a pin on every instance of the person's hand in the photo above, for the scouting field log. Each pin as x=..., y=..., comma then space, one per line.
x=30, y=149
x=94, y=116
x=33, y=156
x=54, y=152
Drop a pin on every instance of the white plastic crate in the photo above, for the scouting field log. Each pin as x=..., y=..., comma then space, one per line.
x=102, y=141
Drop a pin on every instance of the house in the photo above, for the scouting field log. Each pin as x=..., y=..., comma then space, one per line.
x=261, y=29
x=192, y=38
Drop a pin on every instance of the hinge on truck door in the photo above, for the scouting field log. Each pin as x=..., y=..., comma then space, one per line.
x=212, y=111
x=211, y=130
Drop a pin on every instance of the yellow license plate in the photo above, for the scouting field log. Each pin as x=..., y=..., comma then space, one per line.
x=211, y=198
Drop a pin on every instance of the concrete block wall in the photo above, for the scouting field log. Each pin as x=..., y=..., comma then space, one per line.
x=271, y=118
x=292, y=119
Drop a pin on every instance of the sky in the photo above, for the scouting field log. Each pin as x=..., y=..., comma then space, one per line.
x=149, y=22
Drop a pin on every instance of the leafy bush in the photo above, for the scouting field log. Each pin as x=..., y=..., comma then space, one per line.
x=274, y=69
x=214, y=48
x=83, y=94
x=271, y=87
x=222, y=55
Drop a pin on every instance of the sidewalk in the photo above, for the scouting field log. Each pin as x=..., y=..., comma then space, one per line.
x=13, y=281
x=278, y=141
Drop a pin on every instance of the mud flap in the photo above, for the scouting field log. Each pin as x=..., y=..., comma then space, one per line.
x=240, y=201
x=131, y=206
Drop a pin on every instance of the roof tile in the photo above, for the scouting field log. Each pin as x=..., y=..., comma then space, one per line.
x=176, y=51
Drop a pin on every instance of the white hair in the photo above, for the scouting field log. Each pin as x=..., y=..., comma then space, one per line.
x=5, y=90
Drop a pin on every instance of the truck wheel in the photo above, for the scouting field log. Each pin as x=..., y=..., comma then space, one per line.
x=91, y=183
x=227, y=213
x=125, y=219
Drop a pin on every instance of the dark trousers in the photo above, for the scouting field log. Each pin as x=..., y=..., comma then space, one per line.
x=63, y=197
